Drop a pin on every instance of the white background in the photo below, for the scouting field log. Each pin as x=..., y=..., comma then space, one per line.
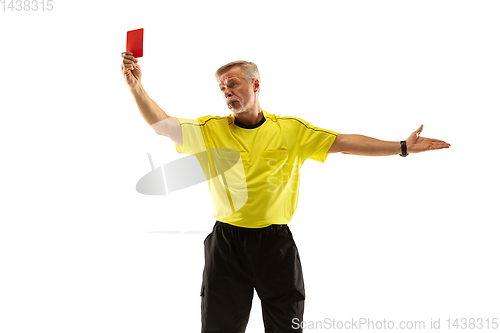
x=389, y=238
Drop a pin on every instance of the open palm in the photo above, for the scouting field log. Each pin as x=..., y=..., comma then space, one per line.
x=417, y=144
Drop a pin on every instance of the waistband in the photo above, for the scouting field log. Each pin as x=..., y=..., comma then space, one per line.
x=219, y=224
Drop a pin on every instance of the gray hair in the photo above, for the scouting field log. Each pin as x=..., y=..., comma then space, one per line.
x=249, y=70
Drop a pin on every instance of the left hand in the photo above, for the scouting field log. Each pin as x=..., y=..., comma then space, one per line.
x=417, y=144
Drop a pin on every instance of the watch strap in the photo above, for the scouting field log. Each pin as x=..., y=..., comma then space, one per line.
x=404, y=151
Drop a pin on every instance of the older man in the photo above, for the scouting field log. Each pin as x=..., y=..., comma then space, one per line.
x=254, y=197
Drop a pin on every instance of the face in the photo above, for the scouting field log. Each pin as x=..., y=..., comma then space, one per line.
x=237, y=92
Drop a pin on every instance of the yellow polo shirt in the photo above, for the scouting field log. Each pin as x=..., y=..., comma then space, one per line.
x=253, y=170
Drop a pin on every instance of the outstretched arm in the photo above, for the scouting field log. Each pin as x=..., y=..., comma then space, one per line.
x=365, y=146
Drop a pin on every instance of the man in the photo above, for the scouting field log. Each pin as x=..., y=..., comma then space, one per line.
x=254, y=196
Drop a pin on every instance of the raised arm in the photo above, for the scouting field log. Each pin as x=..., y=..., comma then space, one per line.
x=365, y=146
x=161, y=123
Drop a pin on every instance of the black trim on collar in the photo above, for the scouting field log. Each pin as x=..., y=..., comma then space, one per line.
x=237, y=123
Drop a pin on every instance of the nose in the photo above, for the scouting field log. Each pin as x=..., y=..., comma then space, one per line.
x=227, y=92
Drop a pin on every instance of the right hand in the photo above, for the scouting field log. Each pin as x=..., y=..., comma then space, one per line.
x=131, y=70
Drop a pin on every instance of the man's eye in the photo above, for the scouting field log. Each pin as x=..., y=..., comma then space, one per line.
x=233, y=84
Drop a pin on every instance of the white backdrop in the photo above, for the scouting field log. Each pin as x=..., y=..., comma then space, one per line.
x=380, y=238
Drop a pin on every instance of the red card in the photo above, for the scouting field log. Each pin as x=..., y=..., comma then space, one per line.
x=134, y=42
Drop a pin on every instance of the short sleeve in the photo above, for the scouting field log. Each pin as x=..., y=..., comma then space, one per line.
x=314, y=141
x=192, y=137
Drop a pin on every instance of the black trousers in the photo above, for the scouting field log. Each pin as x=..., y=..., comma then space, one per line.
x=239, y=260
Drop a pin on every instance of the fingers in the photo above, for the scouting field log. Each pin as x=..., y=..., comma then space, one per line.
x=127, y=53
x=437, y=144
x=419, y=130
x=129, y=62
x=425, y=144
x=436, y=141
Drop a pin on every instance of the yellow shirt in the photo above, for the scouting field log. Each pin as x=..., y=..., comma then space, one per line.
x=253, y=170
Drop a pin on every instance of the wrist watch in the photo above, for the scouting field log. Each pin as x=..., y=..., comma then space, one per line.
x=404, y=153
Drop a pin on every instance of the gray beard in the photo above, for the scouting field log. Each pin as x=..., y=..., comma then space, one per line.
x=241, y=109
x=238, y=111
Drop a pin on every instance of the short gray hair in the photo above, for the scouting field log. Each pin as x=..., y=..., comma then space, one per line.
x=249, y=70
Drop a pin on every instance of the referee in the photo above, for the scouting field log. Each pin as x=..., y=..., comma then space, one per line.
x=251, y=160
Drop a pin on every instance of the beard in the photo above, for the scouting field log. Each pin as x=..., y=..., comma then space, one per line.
x=241, y=109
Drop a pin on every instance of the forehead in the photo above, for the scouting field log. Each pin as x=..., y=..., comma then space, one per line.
x=232, y=73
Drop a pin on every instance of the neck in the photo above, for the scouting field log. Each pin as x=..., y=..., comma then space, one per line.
x=250, y=116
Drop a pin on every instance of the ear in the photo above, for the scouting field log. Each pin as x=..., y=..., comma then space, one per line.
x=256, y=85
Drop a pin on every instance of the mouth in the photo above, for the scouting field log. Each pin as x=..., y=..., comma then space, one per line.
x=231, y=103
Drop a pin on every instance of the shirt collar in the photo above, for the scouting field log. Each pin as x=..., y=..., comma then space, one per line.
x=235, y=121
